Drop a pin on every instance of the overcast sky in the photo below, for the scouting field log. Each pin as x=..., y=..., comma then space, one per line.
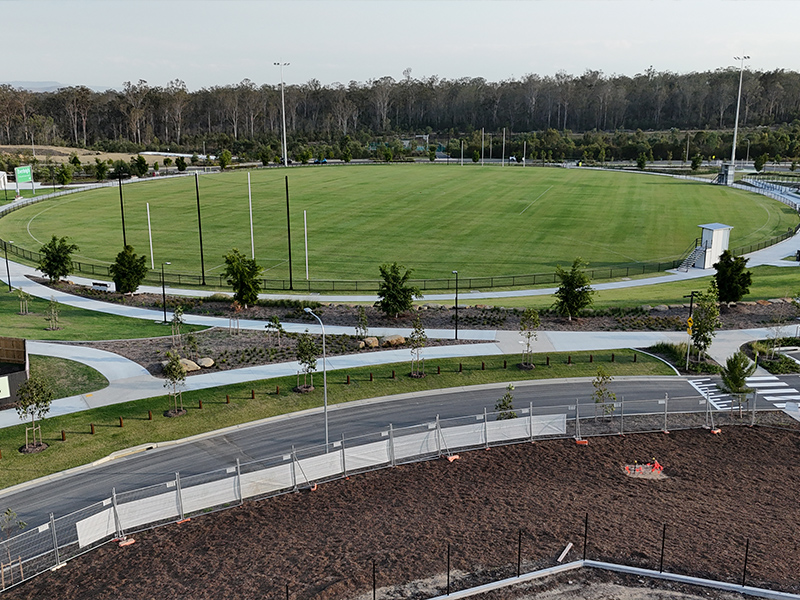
x=103, y=43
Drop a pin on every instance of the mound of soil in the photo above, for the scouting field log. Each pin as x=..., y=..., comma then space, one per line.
x=720, y=491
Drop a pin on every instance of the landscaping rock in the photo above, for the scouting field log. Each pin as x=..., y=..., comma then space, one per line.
x=661, y=308
x=206, y=362
x=647, y=307
x=392, y=340
x=189, y=365
x=371, y=342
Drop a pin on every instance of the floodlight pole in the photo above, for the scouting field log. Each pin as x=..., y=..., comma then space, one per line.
x=163, y=291
x=8, y=273
x=324, y=376
x=199, y=227
x=283, y=110
x=289, y=232
x=738, y=102
x=456, y=328
x=122, y=210
x=482, y=145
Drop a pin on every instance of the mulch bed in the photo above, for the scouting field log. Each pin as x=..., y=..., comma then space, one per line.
x=437, y=316
x=719, y=491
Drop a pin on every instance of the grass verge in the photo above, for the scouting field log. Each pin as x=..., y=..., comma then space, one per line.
x=75, y=323
x=67, y=377
x=81, y=447
x=768, y=282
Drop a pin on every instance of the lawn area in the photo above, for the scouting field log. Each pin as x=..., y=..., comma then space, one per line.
x=66, y=377
x=75, y=323
x=432, y=218
x=768, y=282
x=81, y=447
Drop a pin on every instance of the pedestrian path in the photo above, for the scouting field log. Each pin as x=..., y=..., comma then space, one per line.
x=129, y=381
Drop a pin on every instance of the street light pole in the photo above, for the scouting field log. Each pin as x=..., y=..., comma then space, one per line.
x=163, y=291
x=738, y=102
x=8, y=273
x=283, y=110
x=324, y=376
x=456, y=274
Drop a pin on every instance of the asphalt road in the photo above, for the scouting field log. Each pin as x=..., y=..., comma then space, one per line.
x=65, y=493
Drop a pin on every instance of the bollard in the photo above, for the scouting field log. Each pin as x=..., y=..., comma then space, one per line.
x=460, y=368
x=200, y=404
x=634, y=358
x=121, y=423
x=348, y=380
x=1, y=454
x=505, y=364
x=253, y=394
x=392, y=373
x=548, y=361
x=591, y=358
x=277, y=390
x=92, y=426
x=227, y=399
x=370, y=376
x=612, y=357
x=63, y=436
x=569, y=359
x=149, y=415
x=483, y=366
x=439, y=370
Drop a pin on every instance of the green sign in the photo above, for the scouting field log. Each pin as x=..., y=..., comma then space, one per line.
x=24, y=174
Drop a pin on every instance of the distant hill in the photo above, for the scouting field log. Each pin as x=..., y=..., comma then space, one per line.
x=48, y=86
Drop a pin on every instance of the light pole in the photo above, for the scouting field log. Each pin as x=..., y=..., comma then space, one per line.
x=324, y=376
x=456, y=274
x=283, y=110
x=738, y=102
x=163, y=291
x=8, y=273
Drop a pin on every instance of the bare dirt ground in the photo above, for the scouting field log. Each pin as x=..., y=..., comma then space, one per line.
x=719, y=491
x=61, y=154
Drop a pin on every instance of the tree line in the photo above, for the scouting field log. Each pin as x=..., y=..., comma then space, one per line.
x=593, y=115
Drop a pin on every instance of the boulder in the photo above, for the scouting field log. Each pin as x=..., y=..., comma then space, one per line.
x=661, y=308
x=189, y=365
x=206, y=362
x=371, y=342
x=392, y=340
x=647, y=307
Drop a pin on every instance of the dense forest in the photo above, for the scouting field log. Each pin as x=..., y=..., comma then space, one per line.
x=660, y=115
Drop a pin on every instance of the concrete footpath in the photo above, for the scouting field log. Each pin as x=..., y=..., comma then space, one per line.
x=129, y=381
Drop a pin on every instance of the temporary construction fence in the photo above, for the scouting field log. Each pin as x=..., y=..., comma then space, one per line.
x=49, y=545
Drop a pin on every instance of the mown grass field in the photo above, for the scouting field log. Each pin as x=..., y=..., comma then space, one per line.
x=432, y=218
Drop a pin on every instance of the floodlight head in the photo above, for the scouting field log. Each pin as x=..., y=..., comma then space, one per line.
x=455, y=272
x=308, y=310
x=166, y=263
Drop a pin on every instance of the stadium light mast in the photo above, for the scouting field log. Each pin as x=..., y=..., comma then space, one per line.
x=738, y=103
x=283, y=112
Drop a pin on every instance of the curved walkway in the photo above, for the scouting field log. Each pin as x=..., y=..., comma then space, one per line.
x=129, y=381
